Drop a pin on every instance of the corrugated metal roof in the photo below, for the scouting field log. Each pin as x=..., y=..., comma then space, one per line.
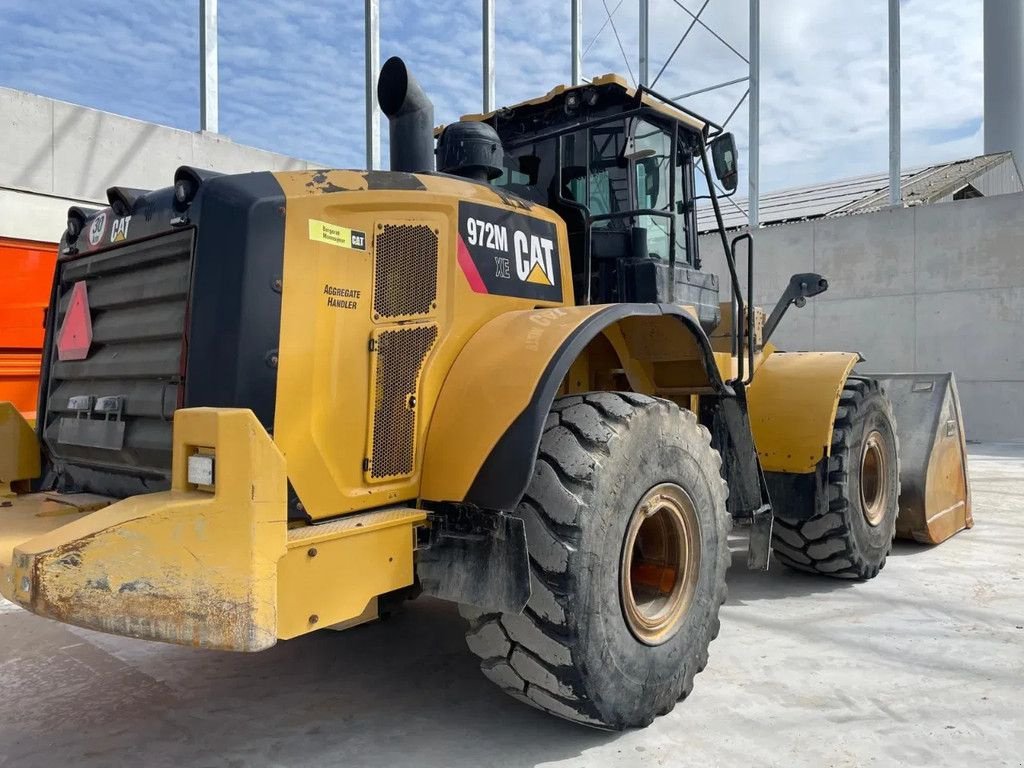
x=857, y=195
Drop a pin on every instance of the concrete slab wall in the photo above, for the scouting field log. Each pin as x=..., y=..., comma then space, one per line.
x=57, y=154
x=932, y=288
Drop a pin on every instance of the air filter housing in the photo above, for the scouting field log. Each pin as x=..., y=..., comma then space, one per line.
x=471, y=150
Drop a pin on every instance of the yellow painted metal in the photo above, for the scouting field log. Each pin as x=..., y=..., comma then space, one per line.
x=488, y=386
x=333, y=571
x=640, y=375
x=792, y=401
x=34, y=514
x=215, y=570
x=19, y=449
x=495, y=377
x=326, y=384
x=183, y=566
x=324, y=393
x=721, y=335
x=371, y=613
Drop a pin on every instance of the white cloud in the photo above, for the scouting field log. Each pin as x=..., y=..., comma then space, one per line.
x=292, y=71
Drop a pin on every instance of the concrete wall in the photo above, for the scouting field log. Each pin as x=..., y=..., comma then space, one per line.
x=931, y=288
x=57, y=154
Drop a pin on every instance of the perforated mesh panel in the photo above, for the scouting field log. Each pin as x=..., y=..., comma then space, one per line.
x=405, y=270
x=400, y=356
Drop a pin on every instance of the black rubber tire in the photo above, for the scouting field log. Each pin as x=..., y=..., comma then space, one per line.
x=571, y=652
x=839, y=542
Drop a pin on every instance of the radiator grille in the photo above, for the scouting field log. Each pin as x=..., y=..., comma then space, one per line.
x=400, y=356
x=405, y=271
x=137, y=296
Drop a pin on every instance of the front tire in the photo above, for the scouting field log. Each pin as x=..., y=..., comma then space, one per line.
x=627, y=531
x=852, y=537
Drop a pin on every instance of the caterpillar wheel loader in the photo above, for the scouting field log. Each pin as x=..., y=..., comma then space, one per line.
x=496, y=374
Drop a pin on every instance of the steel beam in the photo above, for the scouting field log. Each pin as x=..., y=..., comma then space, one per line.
x=753, y=172
x=1004, y=78
x=488, y=48
x=577, y=42
x=645, y=52
x=688, y=94
x=208, y=98
x=371, y=51
x=894, y=103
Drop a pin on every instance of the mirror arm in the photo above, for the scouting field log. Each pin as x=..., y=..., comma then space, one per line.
x=721, y=196
x=801, y=287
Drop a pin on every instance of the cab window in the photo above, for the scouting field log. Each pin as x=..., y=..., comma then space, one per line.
x=640, y=169
x=595, y=175
x=653, y=170
x=524, y=170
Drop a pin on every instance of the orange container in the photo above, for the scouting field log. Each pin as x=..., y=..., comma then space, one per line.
x=24, y=293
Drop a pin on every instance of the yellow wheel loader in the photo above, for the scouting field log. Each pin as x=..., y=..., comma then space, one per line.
x=496, y=374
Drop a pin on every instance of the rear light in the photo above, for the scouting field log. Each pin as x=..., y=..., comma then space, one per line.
x=77, y=219
x=200, y=469
x=184, y=191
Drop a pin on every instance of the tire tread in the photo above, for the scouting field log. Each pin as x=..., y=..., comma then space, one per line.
x=536, y=664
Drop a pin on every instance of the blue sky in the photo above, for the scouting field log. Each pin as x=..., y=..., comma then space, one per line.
x=291, y=71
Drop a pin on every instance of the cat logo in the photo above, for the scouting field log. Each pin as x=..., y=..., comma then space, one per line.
x=534, y=258
x=119, y=229
x=508, y=253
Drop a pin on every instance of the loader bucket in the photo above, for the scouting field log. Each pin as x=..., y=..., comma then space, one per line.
x=935, y=493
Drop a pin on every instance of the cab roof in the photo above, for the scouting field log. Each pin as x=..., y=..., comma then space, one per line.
x=613, y=83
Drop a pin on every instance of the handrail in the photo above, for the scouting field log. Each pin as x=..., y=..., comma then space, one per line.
x=631, y=212
x=716, y=128
x=746, y=376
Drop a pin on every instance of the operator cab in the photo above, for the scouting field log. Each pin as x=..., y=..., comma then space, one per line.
x=619, y=166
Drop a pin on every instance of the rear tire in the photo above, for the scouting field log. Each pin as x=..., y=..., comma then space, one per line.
x=576, y=650
x=854, y=534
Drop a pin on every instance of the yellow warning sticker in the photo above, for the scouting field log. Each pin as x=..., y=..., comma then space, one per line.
x=332, y=234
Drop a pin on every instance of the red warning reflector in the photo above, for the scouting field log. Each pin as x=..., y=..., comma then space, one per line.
x=75, y=335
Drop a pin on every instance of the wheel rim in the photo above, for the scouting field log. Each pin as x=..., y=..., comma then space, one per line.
x=660, y=563
x=874, y=478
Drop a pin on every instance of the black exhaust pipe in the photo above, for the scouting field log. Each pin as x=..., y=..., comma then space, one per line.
x=410, y=117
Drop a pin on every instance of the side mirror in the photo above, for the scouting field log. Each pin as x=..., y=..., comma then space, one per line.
x=725, y=159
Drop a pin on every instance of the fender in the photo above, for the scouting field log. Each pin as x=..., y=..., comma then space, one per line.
x=486, y=427
x=793, y=400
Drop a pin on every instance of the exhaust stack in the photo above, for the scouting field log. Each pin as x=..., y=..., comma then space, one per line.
x=410, y=116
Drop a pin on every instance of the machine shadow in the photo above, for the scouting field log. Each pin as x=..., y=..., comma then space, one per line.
x=406, y=691
x=904, y=548
x=748, y=586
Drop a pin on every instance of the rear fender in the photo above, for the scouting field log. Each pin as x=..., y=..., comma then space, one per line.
x=487, y=425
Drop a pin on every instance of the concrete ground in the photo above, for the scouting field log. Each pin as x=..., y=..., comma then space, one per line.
x=923, y=666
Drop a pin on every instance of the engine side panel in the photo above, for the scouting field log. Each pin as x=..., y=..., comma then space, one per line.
x=386, y=276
